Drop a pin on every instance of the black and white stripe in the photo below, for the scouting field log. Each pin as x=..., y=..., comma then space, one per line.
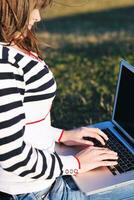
x=36, y=84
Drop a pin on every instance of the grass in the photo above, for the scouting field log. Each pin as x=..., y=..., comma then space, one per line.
x=87, y=43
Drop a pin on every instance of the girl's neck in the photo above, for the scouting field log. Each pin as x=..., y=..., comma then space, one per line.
x=30, y=53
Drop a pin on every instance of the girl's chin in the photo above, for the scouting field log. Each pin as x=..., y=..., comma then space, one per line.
x=30, y=26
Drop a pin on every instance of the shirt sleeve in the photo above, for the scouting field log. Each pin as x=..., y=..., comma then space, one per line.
x=17, y=156
x=57, y=133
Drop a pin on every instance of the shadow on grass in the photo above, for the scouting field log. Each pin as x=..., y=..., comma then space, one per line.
x=96, y=51
x=106, y=20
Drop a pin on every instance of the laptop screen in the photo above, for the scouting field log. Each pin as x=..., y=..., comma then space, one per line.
x=123, y=114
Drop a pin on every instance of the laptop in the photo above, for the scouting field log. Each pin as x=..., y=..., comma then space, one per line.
x=120, y=131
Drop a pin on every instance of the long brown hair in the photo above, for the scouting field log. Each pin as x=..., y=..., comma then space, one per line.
x=14, y=19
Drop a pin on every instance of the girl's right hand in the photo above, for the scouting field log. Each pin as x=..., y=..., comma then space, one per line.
x=93, y=157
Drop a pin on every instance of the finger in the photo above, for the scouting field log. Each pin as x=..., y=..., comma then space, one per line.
x=107, y=163
x=108, y=151
x=95, y=148
x=102, y=148
x=97, y=137
x=98, y=131
x=98, y=148
x=107, y=157
x=99, y=151
x=102, y=134
x=86, y=142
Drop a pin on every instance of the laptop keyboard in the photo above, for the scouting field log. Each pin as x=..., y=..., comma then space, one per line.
x=126, y=158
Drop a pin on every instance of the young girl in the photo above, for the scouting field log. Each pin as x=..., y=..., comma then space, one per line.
x=29, y=166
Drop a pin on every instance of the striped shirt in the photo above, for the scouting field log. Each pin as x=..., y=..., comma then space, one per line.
x=28, y=162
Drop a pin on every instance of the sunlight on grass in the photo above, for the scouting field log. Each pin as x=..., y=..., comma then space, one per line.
x=67, y=7
x=57, y=41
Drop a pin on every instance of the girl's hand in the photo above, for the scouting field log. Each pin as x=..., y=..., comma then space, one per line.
x=93, y=157
x=76, y=136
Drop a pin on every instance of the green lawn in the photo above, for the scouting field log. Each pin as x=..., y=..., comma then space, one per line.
x=87, y=42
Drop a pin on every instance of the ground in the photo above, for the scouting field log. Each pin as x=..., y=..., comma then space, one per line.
x=88, y=39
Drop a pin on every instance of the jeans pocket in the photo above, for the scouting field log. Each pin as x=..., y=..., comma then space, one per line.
x=45, y=196
x=70, y=183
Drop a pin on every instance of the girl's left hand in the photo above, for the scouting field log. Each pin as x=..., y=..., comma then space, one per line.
x=75, y=137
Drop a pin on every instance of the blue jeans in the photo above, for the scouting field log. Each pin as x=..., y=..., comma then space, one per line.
x=62, y=191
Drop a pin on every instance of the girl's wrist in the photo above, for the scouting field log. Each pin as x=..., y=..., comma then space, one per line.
x=61, y=138
x=79, y=164
x=64, y=136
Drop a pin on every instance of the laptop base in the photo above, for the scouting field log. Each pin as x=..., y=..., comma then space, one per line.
x=100, y=179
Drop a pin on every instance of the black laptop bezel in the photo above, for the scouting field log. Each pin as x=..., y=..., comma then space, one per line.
x=123, y=64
